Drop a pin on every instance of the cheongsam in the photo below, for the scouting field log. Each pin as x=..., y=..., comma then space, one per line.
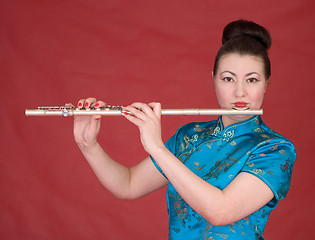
x=217, y=155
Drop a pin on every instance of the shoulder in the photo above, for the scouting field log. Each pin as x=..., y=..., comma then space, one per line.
x=274, y=144
x=272, y=161
x=274, y=137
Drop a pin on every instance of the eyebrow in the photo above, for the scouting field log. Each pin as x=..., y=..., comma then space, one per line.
x=234, y=74
x=248, y=74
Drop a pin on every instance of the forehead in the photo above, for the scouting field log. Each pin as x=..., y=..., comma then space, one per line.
x=241, y=64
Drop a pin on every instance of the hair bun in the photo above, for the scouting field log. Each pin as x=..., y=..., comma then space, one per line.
x=244, y=28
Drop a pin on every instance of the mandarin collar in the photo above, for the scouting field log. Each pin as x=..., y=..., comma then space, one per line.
x=250, y=125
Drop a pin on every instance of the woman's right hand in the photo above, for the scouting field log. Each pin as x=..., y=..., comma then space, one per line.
x=86, y=128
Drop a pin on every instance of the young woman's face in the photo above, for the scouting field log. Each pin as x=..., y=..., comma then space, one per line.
x=240, y=83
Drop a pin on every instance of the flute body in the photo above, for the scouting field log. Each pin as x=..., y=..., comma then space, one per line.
x=117, y=111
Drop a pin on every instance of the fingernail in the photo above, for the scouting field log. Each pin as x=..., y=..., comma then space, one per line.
x=96, y=105
x=80, y=104
x=125, y=113
x=98, y=118
x=86, y=104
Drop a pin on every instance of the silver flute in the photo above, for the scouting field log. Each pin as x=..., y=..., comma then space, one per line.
x=109, y=110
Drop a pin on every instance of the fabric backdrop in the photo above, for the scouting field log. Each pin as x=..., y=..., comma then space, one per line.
x=54, y=52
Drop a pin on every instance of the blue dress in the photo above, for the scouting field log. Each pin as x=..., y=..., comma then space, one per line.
x=217, y=155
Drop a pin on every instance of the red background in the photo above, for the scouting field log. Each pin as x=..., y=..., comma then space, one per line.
x=53, y=52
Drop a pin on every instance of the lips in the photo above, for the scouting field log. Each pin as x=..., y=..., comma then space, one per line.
x=240, y=104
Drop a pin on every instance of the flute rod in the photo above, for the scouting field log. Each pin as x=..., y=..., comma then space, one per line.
x=165, y=112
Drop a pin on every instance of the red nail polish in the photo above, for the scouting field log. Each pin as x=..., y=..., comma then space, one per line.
x=96, y=105
x=86, y=104
x=80, y=104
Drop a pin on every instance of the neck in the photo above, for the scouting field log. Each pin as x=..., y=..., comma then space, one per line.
x=229, y=120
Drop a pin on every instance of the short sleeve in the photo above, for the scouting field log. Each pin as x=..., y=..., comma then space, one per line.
x=273, y=162
x=171, y=146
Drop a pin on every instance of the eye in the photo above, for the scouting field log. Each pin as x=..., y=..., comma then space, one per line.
x=227, y=79
x=252, y=80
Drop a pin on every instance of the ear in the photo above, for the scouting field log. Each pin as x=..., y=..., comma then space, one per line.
x=266, y=85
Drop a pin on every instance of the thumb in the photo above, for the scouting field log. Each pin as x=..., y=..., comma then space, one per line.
x=95, y=121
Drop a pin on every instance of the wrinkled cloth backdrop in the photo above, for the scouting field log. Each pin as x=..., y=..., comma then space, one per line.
x=53, y=52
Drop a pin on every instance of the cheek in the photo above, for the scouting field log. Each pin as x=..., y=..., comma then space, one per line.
x=223, y=95
x=258, y=96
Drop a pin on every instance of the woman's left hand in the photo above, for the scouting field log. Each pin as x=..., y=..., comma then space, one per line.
x=147, y=117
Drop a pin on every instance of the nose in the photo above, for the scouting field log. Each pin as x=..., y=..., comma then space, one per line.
x=240, y=89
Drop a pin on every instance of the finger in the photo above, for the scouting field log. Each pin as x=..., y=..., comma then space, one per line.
x=69, y=105
x=157, y=108
x=97, y=117
x=89, y=101
x=81, y=103
x=133, y=119
x=144, y=108
x=131, y=111
x=98, y=104
x=135, y=112
x=95, y=121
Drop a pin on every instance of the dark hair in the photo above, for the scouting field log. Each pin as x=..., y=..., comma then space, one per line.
x=245, y=37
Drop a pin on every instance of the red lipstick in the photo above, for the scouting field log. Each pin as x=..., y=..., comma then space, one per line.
x=240, y=104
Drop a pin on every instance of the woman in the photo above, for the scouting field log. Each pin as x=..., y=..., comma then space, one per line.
x=224, y=177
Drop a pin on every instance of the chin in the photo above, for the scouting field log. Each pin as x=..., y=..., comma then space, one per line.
x=240, y=118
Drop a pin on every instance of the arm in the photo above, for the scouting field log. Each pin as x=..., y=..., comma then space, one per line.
x=124, y=183
x=244, y=195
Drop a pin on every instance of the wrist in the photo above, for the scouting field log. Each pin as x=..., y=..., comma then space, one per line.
x=158, y=151
x=90, y=147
